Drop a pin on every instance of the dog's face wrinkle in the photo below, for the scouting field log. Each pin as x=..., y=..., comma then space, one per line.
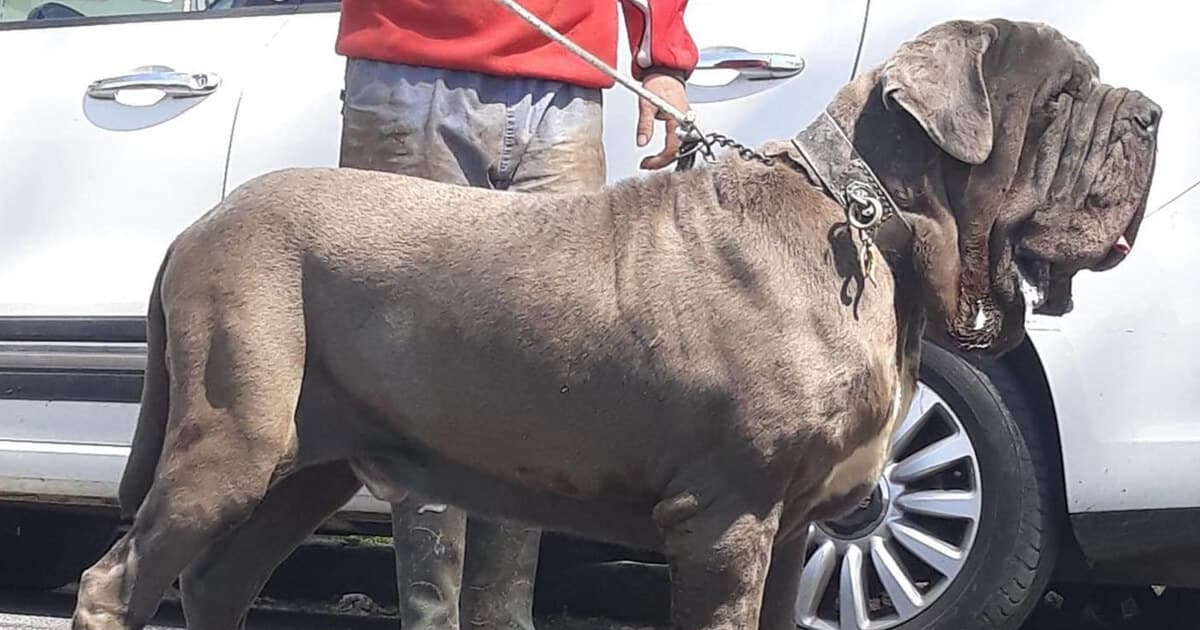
x=1098, y=185
x=1107, y=198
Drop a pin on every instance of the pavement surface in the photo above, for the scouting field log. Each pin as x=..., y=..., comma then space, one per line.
x=1110, y=611
x=52, y=611
x=306, y=594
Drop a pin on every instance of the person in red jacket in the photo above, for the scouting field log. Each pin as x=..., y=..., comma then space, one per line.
x=463, y=91
x=481, y=36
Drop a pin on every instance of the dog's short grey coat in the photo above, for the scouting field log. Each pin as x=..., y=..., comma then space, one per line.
x=688, y=362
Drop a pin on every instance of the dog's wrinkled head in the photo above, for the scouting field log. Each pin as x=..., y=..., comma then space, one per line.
x=1014, y=162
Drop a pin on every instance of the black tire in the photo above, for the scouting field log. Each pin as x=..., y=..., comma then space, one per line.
x=1017, y=542
x=43, y=550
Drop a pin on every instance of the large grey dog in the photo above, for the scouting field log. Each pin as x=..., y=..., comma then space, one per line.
x=691, y=362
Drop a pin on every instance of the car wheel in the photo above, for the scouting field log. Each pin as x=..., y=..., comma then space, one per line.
x=44, y=550
x=960, y=533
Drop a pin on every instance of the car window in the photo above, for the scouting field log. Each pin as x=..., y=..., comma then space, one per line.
x=31, y=11
x=20, y=10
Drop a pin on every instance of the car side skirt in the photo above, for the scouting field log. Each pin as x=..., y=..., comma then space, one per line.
x=1137, y=547
x=72, y=358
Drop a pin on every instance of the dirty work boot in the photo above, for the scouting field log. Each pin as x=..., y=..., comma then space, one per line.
x=498, y=576
x=428, y=540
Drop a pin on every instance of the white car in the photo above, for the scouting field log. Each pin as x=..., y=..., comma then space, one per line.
x=123, y=120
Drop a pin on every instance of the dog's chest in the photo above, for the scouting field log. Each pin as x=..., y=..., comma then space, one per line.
x=864, y=462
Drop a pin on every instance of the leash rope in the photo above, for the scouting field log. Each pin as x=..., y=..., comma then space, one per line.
x=693, y=142
x=686, y=121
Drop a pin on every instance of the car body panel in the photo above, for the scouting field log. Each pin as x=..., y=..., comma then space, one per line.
x=94, y=188
x=296, y=91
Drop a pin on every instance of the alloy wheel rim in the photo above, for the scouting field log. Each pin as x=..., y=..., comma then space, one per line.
x=898, y=552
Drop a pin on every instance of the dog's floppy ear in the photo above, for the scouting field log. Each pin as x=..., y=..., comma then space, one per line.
x=938, y=79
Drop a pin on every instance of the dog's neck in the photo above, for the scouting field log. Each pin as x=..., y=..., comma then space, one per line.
x=860, y=113
x=916, y=244
x=785, y=205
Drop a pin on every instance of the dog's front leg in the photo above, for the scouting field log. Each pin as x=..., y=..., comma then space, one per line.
x=783, y=585
x=719, y=549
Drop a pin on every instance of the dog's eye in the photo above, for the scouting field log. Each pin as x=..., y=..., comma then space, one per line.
x=1146, y=120
x=1055, y=105
x=1081, y=76
x=903, y=196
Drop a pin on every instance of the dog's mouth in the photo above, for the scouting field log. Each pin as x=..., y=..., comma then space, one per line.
x=1034, y=276
x=1120, y=248
x=1049, y=292
x=1047, y=285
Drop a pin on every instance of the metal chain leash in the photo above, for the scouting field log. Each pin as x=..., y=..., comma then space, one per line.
x=703, y=145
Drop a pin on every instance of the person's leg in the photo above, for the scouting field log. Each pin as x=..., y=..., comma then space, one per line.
x=459, y=128
x=429, y=540
x=406, y=120
x=498, y=575
x=552, y=143
x=419, y=121
x=565, y=147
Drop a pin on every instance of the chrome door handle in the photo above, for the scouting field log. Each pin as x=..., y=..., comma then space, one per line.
x=175, y=84
x=753, y=73
x=751, y=66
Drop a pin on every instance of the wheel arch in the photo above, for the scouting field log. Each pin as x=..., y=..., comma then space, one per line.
x=1025, y=368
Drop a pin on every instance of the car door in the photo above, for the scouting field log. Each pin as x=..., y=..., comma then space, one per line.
x=114, y=135
x=767, y=68
x=116, y=130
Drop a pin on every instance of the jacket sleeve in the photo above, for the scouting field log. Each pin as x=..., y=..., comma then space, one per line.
x=658, y=38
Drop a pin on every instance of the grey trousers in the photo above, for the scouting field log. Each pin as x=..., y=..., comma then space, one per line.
x=472, y=130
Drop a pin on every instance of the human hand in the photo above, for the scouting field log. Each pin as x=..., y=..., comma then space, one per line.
x=671, y=90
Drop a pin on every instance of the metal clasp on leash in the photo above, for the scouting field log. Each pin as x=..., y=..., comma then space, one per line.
x=691, y=142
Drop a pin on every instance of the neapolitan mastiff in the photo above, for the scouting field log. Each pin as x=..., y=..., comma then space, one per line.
x=692, y=362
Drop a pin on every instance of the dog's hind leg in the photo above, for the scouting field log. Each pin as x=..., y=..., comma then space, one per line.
x=236, y=363
x=718, y=545
x=219, y=586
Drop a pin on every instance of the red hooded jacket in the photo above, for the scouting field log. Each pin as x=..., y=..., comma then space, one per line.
x=483, y=36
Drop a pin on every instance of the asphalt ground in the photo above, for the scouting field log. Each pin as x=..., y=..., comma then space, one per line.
x=335, y=586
